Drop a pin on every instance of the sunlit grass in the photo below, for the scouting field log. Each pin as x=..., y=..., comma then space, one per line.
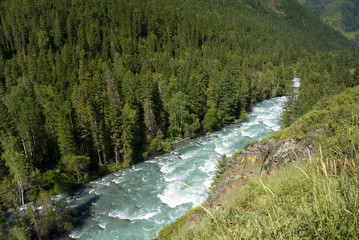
x=318, y=199
x=315, y=199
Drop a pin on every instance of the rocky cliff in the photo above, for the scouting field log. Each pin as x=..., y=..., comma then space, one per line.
x=303, y=202
x=258, y=159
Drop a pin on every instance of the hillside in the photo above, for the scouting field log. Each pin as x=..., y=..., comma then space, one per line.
x=301, y=182
x=89, y=87
x=342, y=15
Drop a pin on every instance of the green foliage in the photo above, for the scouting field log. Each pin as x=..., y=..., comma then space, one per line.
x=249, y=143
x=76, y=166
x=320, y=77
x=220, y=169
x=3, y=226
x=52, y=219
x=88, y=87
x=315, y=199
x=19, y=233
x=342, y=15
x=158, y=143
x=236, y=154
x=211, y=120
x=17, y=165
x=299, y=205
x=175, y=228
x=178, y=114
x=59, y=180
x=129, y=131
x=265, y=166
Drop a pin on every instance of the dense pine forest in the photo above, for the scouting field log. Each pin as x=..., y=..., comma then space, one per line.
x=88, y=87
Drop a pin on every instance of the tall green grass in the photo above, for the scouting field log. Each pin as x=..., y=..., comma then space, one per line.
x=317, y=199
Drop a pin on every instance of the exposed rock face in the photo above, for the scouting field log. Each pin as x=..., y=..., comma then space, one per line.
x=257, y=160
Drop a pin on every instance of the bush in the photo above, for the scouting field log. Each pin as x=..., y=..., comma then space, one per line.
x=220, y=169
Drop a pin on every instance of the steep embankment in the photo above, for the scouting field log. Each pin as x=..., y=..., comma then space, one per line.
x=314, y=196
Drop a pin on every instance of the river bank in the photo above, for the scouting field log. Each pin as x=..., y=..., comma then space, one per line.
x=292, y=184
x=136, y=202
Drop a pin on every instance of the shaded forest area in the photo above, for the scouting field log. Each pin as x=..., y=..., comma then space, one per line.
x=88, y=87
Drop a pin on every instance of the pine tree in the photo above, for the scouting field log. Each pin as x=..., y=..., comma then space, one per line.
x=220, y=169
x=16, y=162
x=129, y=129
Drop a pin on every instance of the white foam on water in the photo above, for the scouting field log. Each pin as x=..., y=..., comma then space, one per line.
x=207, y=182
x=103, y=179
x=146, y=215
x=189, y=154
x=249, y=134
x=270, y=124
x=166, y=184
x=171, y=177
x=140, y=215
x=247, y=125
x=91, y=191
x=221, y=149
x=176, y=194
x=151, y=161
x=75, y=235
x=116, y=181
x=167, y=167
x=106, y=183
x=296, y=82
x=136, y=169
x=159, y=222
x=208, y=166
x=118, y=214
x=103, y=226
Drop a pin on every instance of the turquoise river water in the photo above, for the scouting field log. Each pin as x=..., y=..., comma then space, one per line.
x=135, y=203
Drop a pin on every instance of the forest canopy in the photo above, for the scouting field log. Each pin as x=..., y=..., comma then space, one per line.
x=87, y=87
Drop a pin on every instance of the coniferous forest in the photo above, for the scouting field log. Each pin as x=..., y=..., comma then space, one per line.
x=89, y=87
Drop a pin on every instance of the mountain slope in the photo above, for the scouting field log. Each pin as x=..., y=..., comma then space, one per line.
x=342, y=15
x=310, y=197
x=88, y=87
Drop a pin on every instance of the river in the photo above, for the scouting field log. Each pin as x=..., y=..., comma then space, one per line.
x=135, y=203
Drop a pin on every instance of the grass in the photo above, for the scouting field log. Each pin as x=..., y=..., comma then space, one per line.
x=317, y=199
x=176, y=227
x=351, y=35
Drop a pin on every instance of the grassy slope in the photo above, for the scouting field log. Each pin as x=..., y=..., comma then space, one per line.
x=342, y=15
x=317, y=199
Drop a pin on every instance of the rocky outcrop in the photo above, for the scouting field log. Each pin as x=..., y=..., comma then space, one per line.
x=257, y=160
